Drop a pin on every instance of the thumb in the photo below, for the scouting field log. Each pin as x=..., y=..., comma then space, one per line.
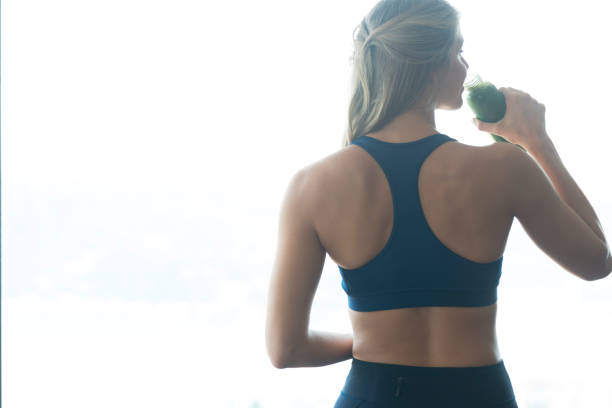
x=480, y=125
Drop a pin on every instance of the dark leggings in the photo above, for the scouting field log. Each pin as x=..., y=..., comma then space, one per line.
x=381, y=385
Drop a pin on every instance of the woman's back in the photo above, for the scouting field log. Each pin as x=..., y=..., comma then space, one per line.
x=460, y=196
x=418, y=230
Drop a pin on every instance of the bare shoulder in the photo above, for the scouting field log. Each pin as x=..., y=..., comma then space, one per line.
x=474, y=163
x=484, y=170
x=327, y=183
x=516, y=172
x=483, y=167
x=339, y=168
x=329, y=170
x=493, y=161
x=506, y=152
x=512, y=163
x=311, y=183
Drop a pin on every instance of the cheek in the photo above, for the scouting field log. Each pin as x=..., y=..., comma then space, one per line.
x=462, y=70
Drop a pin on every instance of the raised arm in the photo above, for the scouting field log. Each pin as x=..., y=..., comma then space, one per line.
x=542, y=194
x=553, y=210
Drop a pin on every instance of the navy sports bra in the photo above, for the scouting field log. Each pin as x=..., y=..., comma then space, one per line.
x=415, y=268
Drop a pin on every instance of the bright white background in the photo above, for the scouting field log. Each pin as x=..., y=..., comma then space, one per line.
x=146, y=147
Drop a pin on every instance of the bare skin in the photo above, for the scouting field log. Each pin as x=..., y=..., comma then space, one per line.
x=461, y=201
x=458, y=197
x=469, y=206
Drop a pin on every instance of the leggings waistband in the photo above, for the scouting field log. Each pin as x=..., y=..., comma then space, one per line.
x=485, y=386
x=440, y=373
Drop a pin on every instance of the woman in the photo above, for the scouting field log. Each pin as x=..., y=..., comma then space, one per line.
x=417, y=223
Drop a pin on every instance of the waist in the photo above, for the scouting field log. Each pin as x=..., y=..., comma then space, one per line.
x=457, y=349
x=481, y=358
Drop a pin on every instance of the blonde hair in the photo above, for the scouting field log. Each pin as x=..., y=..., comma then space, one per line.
x=397, y=48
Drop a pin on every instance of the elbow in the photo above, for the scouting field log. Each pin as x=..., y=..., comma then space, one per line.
x=278, y=361
x=281, y=348
x=603, y=269
x=276, y=354
x=608, y=268
x=595, y=276
x=282, y=357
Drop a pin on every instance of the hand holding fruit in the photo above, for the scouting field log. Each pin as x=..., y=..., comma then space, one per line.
x=524, y=120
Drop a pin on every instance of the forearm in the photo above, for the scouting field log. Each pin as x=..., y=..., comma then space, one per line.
x=320, y=349
x=548, y=158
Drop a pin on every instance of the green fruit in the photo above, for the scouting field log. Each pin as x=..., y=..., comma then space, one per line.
x=487, y=103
